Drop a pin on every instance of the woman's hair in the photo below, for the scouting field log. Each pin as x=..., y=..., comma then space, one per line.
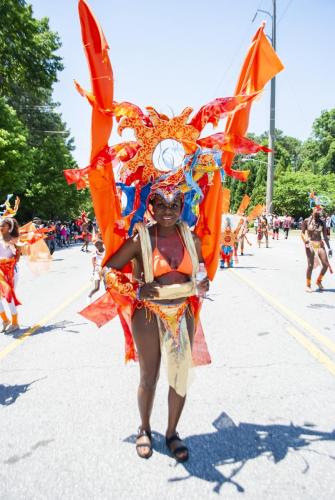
x=13, y=226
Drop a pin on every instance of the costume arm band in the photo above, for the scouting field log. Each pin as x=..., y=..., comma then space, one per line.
x=117, y=281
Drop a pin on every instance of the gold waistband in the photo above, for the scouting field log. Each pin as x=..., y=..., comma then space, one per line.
x=176, y=291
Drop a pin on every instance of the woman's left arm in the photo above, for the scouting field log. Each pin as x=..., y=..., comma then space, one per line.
x=326, y=239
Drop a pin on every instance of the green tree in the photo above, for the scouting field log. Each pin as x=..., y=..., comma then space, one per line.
x=291, y=191
x=318, y=153
x=15, y=152
x=28, y=59
x=35, y=146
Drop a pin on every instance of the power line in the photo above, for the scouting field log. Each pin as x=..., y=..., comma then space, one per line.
x=236, y=52
x=285, y=10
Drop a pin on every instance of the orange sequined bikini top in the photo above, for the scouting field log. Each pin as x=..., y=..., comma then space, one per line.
x=161, y=266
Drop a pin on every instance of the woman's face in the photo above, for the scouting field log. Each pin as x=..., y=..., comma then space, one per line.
x=166, y=214
x=4, y=228
x=317, y=213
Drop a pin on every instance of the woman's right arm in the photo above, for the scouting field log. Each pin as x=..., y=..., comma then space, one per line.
x=128, y=251
x=304, y=236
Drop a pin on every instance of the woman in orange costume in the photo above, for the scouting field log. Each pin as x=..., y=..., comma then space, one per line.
x=9, y=256
x=163, y=320
x=261, y=65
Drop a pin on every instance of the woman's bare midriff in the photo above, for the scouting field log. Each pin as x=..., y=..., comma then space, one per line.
x=314, y=235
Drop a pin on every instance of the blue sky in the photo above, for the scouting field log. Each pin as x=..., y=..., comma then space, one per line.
x=176, y=53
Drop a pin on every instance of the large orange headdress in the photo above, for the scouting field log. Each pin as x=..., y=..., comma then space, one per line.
x=203, y=163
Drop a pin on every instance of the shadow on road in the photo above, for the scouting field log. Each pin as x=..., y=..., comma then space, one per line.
x=235, y=445
x=10, y=393
x=61, y=325
x=321, y=306
x=16, y=458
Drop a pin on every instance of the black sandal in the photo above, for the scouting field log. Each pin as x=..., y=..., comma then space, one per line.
x=141, y=433
x=176, y=452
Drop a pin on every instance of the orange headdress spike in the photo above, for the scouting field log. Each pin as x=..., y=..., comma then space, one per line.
x=102, y=183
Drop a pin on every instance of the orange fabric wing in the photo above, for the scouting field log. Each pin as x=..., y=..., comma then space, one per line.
x=225, y=200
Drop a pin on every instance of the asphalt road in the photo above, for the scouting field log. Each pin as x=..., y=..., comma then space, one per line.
x=259, y=420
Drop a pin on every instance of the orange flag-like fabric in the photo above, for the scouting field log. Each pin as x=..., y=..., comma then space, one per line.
x=102, y=183
x=225, y=200
x=260, y=65
x=208, y=227
x=256, y=212
x=243, y=205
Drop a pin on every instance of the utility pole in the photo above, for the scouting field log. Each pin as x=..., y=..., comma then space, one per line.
x=271, y=163
x=271, y=159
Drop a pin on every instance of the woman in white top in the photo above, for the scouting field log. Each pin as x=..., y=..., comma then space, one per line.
x=9, y=256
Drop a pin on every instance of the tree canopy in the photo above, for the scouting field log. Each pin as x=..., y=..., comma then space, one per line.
x=35, y=145
x=300, y=168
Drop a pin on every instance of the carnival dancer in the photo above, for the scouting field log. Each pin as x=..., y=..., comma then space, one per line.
x=97, y=263
x=243, y=234
x=262, y=230
x=287, y=225
x=228, y=239
x=161, y=309
x=9, y=256
x=85, y=236
x=312, y=231
x=167, y=257
x=276, y=226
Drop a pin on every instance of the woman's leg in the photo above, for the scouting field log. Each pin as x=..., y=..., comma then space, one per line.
x=4, y=317
x=95, y=289
x=310, y=265
x=242, y=245
x=259, y=238
x=324, y=262
x=175, y=401
x=13, y=311
x=146, y=337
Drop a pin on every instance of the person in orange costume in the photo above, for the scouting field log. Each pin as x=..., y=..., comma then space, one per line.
x=9, y=256
x=163, y=322
x=101, y=179
x=228, y=239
